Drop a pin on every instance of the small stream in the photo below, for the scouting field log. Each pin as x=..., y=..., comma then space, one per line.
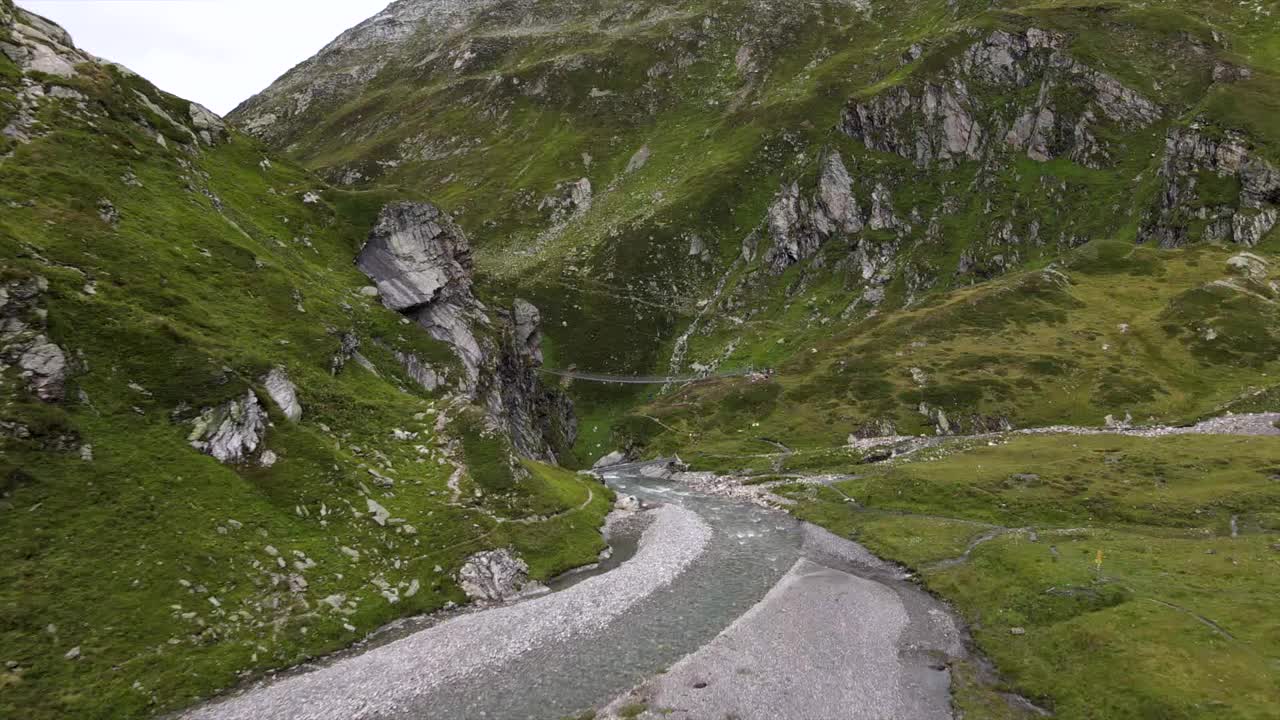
x=751, y=549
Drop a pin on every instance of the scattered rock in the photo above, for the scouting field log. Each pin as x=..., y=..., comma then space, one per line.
x=283, y=393
x=616, y=457
x=380, y=514
x=571, y=200
x=107, y=212
x=495, y=576
x=628, y=503
x=231, y=433
x=639, y=160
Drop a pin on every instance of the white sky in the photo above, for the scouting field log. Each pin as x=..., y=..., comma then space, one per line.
x=216, y=52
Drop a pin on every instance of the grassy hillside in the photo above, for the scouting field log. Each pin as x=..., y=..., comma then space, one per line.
x=725, y=101
x=1176, y=621
x=138, y=575
x=940, y=217
x=1163, y=336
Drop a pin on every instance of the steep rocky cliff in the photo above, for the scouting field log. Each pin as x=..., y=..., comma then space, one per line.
x=421, y=262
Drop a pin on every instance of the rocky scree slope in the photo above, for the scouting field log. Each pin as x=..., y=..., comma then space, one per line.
x=219, y=452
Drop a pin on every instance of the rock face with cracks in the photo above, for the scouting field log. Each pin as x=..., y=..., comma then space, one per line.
x=231, y=432
x=421, y=262
x=495, y=576
x=24, y=344
x=1189, y=153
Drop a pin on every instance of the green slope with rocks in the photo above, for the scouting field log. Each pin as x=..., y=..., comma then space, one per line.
x=936, y=219
x=939, y=218
x=216, y=457
x=711, y=185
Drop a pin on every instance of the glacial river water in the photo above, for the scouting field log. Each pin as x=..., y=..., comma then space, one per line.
x=750, y=550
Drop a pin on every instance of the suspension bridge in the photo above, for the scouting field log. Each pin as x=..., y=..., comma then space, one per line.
x=644, y=379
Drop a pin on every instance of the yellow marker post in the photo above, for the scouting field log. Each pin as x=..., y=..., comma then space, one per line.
x=1097, y=561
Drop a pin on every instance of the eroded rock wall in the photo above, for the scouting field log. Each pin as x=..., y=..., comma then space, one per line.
x=421, y=262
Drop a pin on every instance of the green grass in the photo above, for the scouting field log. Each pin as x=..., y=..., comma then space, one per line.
x=1116, y=330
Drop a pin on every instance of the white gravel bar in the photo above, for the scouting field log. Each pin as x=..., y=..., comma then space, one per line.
x=823, y=644
x=386, y=680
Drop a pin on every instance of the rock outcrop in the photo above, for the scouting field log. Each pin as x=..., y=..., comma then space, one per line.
x=571, y=199
x=36, y=45
x=798, y=224
x=41, y=363
x=283, y=393
x=232, y=432
x=945, y=120
x=421, y=262
x=40, y=46
x=495, y=576
x=1189, y=152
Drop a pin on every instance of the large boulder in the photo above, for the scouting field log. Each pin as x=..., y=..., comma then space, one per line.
x=231, y=432
x=208, y=126
x=44, y=367
x=416, y=255
x=617, y=457
x=495, y=576
x=283, y=393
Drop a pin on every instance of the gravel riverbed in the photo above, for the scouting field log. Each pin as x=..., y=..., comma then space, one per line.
x=389, y=680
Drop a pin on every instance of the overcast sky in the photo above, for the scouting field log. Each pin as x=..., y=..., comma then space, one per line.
x=216, y=52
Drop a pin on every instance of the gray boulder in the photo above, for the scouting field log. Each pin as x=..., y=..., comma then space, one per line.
x=663, y=469
x=628, y=503
x=44, y=367
x=283, y=393
x=416, y=255
x=232, y=432
x=495, y=576
x=617, y=457
x=208, y=126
